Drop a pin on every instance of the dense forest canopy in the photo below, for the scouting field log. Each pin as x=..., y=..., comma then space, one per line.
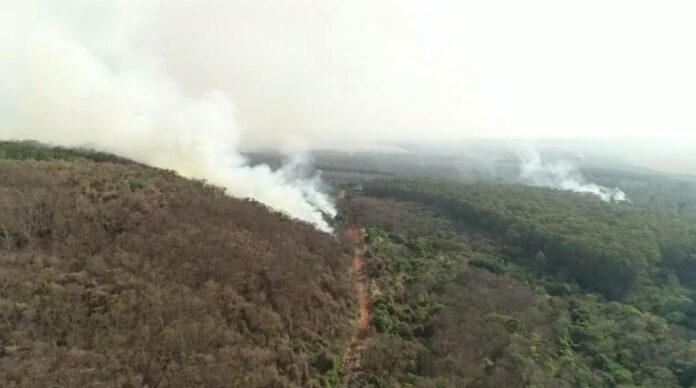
x=113, y=273
x=607, y=247
x=490, y=285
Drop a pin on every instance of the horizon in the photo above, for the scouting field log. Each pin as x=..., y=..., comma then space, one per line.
x=332, y=72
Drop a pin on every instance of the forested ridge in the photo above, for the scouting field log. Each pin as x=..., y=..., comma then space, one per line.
x=612, y=248
x=489, y=285
x=117, y=274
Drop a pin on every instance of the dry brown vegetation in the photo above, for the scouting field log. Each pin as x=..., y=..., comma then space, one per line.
x=123, y=275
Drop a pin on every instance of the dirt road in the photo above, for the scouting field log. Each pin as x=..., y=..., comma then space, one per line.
x=353, y=355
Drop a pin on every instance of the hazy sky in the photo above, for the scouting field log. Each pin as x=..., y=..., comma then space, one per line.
x=337, y=71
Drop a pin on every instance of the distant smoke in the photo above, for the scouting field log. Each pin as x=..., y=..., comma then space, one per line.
x=561, y=175
x=64, y=83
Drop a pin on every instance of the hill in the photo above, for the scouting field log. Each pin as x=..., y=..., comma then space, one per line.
x=117, y=274
x=114, y=273
x=495, y=285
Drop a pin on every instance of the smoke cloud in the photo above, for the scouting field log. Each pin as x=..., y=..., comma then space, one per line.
x=70, y=82
x=561, y=175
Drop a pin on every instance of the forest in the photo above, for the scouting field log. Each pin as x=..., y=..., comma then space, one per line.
x=113, y=273
x=117, y=274
x=489, y=285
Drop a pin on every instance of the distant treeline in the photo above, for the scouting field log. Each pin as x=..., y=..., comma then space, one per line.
x=456, y=306
x=613, y=248
x=33, y=150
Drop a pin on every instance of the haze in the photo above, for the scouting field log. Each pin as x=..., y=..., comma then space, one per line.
x=192, y=85
x=339, y=71
x=332, y=72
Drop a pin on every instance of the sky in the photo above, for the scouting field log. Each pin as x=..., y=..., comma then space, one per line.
x=333, y=72
x=192, y=85
x=337, y=71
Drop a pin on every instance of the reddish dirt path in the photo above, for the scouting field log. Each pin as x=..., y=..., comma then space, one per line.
x=352, y=356
x=361, y=278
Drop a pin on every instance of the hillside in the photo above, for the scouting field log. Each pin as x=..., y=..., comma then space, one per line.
x=490, y=285
x=116, y=274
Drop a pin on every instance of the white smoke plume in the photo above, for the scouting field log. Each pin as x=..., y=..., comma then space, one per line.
x=561, y=175
x=68, y=82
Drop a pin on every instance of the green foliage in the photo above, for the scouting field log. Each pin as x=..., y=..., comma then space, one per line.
x=499, y=296
x=137, y=183
x=329, y=368
x=620, y=344
x=375, y=234
x=489, y=265
x=32, y=150
x=115, y=273
x=606, y=247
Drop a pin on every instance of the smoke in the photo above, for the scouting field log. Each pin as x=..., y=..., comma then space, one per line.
x=77, y=77
x=561, y=175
